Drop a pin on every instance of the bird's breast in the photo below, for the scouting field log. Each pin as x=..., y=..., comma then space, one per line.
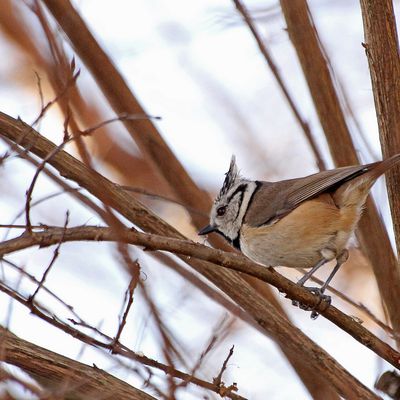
x=298, y=238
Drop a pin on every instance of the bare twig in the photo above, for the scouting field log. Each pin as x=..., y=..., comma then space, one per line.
x=69, y=83
x=48, y=291
x=34, y=180
x=215, y=337
x=129, y=302
x=218, y=379
x=155, y=196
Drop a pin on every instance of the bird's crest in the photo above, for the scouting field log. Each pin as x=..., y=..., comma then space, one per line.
x=230, y=178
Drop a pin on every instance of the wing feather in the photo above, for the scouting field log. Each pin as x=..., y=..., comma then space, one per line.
x=321, y=182
x=273, y=200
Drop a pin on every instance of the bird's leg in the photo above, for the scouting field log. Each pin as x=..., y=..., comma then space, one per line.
x=304, y=279
x=344, y=255
x=340, y=260
x=308, y=275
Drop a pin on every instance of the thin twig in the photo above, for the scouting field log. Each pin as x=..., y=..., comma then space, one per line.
x=39, y=85
x=155, y=196
x=47, y=290
x=129, y=302
x=54, y=258
x=218, y=379
x=44, y=109
x=119, y=118
x=33, y=182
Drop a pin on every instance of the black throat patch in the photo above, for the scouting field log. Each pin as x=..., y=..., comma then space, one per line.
x=235, y=242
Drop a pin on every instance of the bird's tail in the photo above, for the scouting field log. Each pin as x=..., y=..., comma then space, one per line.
x=355, y=191
x=380, y=167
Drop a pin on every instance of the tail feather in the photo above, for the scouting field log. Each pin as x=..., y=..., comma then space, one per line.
x=354, y=192
x=381, y=167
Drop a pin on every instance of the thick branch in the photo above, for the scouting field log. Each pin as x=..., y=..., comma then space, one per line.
x=267, y=317
x=59, y=374
x=382, y=49
x=373, y=236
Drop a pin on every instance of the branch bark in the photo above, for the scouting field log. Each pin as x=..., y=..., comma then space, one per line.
x=267, y=317
x=62, y=375
x=382, y=50
x=372, y=233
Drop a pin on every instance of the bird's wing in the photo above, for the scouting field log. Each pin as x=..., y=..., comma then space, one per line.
x=310, y=186
x=273, y=200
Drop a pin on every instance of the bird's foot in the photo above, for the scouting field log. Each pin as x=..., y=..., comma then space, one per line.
x=322, y=298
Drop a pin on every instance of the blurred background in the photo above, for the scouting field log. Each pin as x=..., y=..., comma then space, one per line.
x=197, y=67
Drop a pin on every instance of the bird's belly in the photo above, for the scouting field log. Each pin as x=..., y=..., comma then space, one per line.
x=312, y=231
x=286, y=251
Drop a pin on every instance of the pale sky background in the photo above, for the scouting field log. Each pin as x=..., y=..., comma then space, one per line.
x=196, y=65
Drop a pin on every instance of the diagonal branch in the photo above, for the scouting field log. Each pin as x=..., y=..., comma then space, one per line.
x=53, y=370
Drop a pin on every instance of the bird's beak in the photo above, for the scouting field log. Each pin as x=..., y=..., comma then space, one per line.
x=207, y=229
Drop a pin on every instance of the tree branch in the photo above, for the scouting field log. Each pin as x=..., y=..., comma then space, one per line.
x=382, y=50
x=60, y=374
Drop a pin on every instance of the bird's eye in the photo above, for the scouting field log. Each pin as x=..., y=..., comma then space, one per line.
x=221, y=211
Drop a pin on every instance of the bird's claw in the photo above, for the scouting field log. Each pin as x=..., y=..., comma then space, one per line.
x=322, y=298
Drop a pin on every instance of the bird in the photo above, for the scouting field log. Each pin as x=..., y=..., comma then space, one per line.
x=297, y=223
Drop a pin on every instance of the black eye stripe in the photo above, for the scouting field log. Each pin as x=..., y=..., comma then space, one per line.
x=240, y=189
x=240, y=203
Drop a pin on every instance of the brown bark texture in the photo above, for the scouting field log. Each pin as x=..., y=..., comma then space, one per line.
x=63, y=377
x=382, y=51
